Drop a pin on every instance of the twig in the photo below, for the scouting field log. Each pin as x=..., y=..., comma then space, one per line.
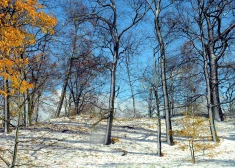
x=5, y=161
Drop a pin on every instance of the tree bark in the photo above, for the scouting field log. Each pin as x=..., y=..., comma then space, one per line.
x=207, y=71
x=163, y=75
x=159, y=142
x=131, y=86
x=6, y=108
x=63, y=92
x=113, y=45
x=37, y=104
x=209, y=103
x=216, y=107
x=25, y=109
x=172, y=102
x=77, y=109
x=150, y=109
x=217, y=44
x=16, y=144
x=30, y=108
x=111, y=102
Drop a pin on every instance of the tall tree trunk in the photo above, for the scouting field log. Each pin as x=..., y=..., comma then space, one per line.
x=25, y=109
x=111, y=102
x=30, y=108
x=16, y=144
x=209, y=103
x=172, y=101
x=6, y=108
x=37, y=105
x=63, y=92
x=150, y=109
x=159, y=142
x=166, y=104
x=66, y=107
x=77, y=109
x=131, y=85
x=37, y=110
x=208, y=83
x=216, y=107
x=70, y=104
x=25, y=95
x=213, y=57
x=163, y=75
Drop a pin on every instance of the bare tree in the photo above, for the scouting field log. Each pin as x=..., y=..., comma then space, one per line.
x=155, y=88
x=216, y=44
x=131, y=83
x=64, y=88
x=156, y=9
x=204, y=26
x=214, y=36
x=107, y=20
x=74, y=12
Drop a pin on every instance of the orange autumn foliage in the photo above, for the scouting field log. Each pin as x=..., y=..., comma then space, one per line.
x=10, y=70
x=17, y=18
x=196, y=131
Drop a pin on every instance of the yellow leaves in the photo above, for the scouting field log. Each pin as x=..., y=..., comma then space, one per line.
x=4, y=3
x=46, y=22
x=115, y=140
x=10, y=37
x=13, y=24
x=29, y=39
x=3, y=93
x=25, y=6
x=35, y=17
x=193, y=126
x=14, y=37
x=18, y=84
x=11, y=70
x=195, y=130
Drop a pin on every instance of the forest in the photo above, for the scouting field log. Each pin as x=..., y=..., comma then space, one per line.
x=117, y=83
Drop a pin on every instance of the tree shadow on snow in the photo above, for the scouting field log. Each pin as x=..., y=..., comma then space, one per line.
x=218, y=162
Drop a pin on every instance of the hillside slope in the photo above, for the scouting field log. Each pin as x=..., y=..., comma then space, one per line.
x=75, y=143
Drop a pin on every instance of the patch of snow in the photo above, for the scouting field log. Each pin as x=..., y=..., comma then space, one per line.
x=76, y=143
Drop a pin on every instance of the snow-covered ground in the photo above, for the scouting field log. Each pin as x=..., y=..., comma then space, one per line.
x=75, y=143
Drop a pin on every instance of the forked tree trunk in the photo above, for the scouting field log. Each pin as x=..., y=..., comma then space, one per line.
x=113, y=44
x=208, y=83
x=218, y=38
